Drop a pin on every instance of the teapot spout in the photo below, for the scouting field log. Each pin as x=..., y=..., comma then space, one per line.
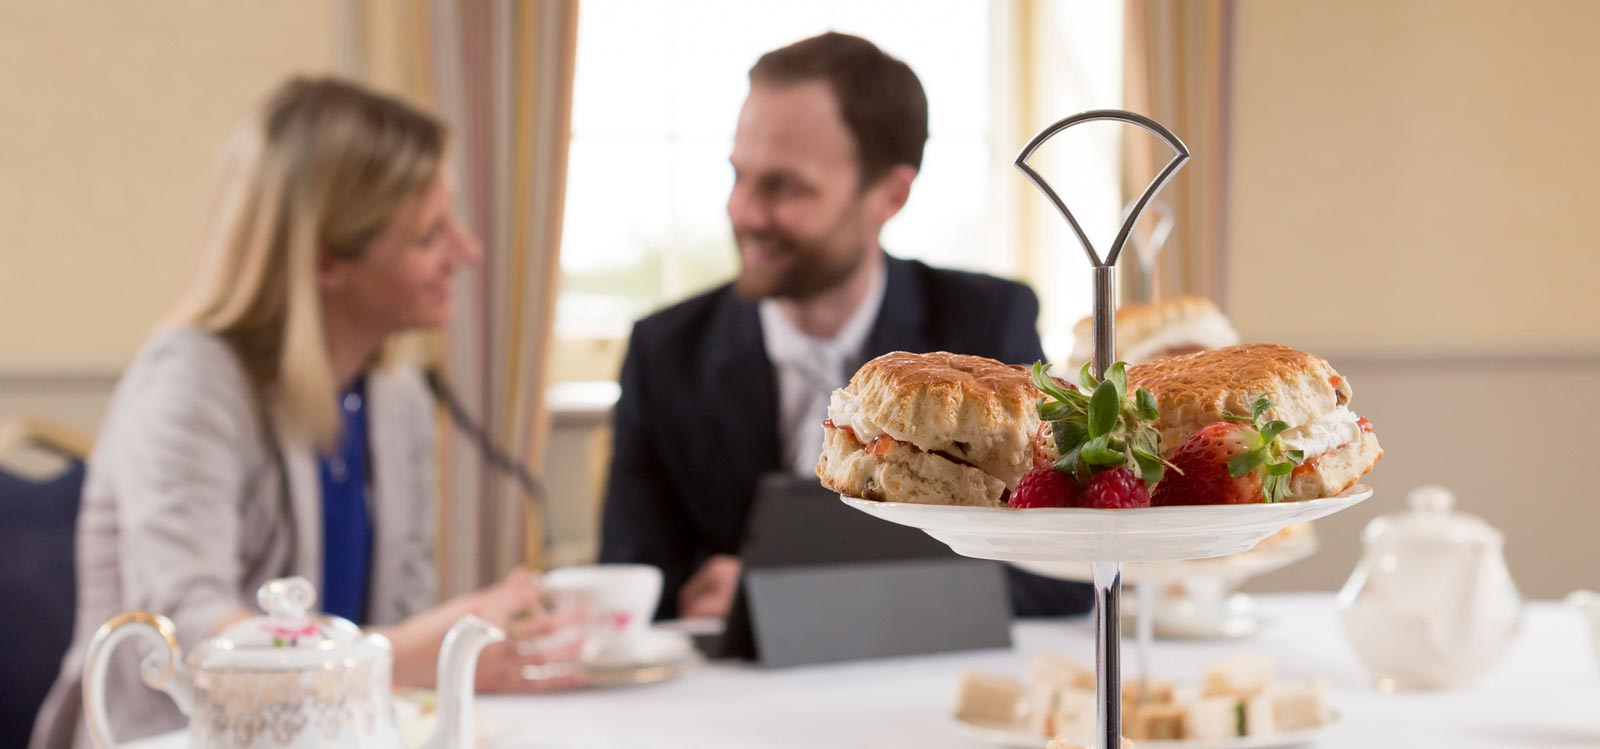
x=458, y=668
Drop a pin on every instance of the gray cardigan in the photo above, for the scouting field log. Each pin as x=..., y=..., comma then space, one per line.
x=187, y=509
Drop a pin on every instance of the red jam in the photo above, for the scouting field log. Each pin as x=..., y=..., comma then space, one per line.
x=880, y=445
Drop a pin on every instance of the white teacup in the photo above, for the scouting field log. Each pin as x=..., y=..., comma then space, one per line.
x=621, y=599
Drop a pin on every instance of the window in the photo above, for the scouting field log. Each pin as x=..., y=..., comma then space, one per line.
x=657, y=94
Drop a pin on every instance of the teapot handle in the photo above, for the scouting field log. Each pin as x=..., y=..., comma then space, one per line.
x=161, y=669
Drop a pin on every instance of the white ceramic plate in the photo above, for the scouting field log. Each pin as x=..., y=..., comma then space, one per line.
x=1146, y=534
x=701, y=626
x=1235, y=567
x=1014, y=739
x=653, y=647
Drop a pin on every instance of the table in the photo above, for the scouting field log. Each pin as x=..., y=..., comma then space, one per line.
x=1545, y=694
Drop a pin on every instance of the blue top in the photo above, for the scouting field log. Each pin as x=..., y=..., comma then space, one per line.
x=346, y=526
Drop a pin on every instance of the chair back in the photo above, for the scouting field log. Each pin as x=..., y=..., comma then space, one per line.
x=38, y=588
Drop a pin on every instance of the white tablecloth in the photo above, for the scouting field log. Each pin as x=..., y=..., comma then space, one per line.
x=1545, y=694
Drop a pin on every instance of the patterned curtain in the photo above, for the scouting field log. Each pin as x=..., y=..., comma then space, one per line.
x=500, y=73
x=1176, y=69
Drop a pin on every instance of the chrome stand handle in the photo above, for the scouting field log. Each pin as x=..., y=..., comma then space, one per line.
x=1107, y=575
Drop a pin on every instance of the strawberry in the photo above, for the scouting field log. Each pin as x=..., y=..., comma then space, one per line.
x=1044, y=454
x=1203, y=459
x=1116, y=489
x=1100, y=428
x=1045, y=487
x=1095, y=447
x=1238, y=460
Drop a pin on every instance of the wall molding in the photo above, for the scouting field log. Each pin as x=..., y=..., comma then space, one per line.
x=57, y=378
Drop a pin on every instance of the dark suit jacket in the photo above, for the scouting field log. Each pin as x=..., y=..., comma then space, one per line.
x=696, y=426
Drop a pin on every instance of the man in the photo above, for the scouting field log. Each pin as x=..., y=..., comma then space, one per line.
x=732, y=384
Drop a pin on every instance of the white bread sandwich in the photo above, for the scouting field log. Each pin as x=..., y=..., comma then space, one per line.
x=1062, y=742
x=987, y=699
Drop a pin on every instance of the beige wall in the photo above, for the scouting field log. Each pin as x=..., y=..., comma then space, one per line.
x=1376, y=150
x=1413, y=195
x=1416, y=174
x=112, y=114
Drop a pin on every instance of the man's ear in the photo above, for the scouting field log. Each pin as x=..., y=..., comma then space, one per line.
x=893, y=189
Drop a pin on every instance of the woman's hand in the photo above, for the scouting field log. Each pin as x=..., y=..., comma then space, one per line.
x=514, y=604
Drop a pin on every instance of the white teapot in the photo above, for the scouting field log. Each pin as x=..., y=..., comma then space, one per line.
x=1431, y=603
x=288, y=679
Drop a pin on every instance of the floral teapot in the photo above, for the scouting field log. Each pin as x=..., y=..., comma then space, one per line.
x=1431, y=603
x=287, y=680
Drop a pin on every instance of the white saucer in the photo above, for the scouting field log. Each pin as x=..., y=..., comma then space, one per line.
x=1014, y=739
x=1146, y=534
x=1185, y=618
x=700, y=626
x=655, y=655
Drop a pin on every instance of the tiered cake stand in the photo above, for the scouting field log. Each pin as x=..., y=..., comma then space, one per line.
x=1106, y=538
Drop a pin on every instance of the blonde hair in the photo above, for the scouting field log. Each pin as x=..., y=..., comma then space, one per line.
x=319, y=169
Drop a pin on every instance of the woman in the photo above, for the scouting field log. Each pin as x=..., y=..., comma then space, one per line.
x=260, y=435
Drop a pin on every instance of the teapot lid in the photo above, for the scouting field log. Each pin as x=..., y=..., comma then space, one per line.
x=1433, y=518
x=290, y=635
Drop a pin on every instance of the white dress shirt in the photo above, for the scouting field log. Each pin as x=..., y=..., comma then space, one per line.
x=810, y=369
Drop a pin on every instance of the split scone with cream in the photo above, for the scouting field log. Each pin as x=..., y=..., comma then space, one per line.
x=1236, y=425
x=1300, y=395
x=930, y=428
x=1145, y=332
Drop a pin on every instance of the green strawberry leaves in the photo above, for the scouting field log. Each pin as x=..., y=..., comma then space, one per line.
x=1048, y=384
x=1103, y=410
x=1266, y=452
x=1146, y=406
x=1102, y=429
x=1246, y=462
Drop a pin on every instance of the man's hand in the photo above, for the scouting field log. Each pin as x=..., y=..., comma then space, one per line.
x=710, y=592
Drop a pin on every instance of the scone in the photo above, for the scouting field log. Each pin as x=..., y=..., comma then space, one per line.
x=1145, y=332
x=930, y=428
x=1193, y=391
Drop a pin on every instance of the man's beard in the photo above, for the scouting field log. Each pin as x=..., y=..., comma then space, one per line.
x=810, y=268
x=809, y=272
